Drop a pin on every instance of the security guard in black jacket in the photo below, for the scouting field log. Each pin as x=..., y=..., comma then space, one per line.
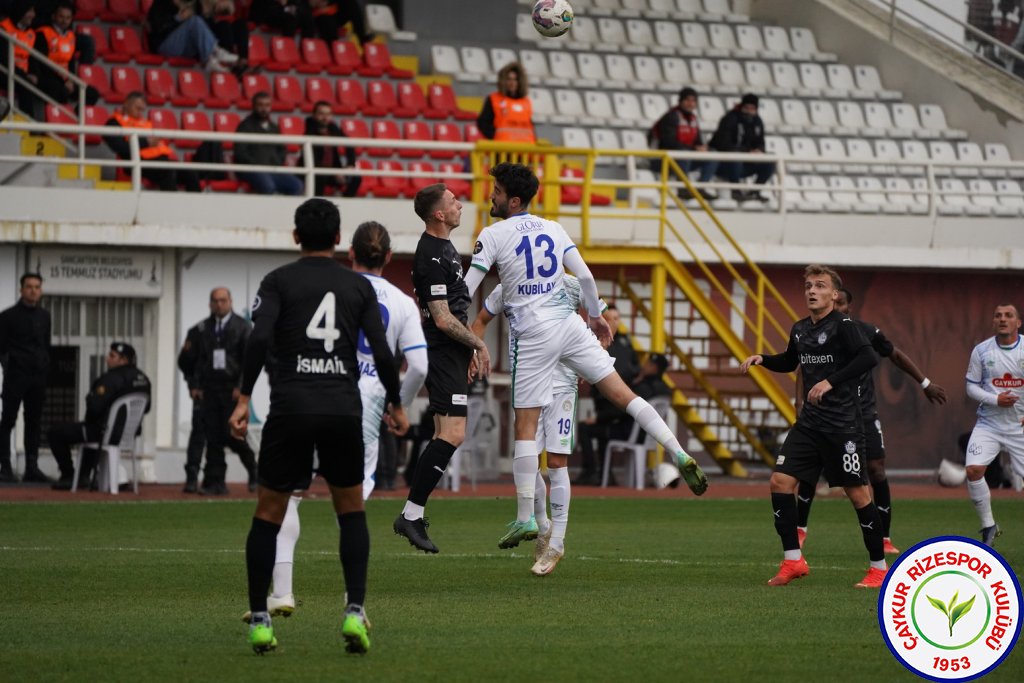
x=120, y=379
x=25, y=355
x=211, y=360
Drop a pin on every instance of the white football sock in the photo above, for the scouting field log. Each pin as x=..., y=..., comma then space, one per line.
x=524, y=474
x=649, y=421
x=561, y=494
x=287, y=537
x=878, y=564
x=540, y=504
x=982, y=499
x=412, y=511
x=791, y=554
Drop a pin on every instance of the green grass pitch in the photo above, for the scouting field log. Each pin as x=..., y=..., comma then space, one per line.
x=650, y=590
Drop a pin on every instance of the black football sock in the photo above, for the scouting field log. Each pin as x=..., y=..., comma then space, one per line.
x=260, y=553
x=804, y=498
x=883, y=501
x=871, y=527
x=784, y=507
x=429, y=470
x=354, y=549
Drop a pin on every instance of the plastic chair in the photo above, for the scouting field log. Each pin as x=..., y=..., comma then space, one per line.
x=346, y=56
x=284, y=55
x=440, y=96
x=124, y=80
x=381, y=96
x=636, y=446
x=134, y=407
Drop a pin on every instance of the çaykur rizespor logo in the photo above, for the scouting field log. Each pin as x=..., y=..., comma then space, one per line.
x=950, y=609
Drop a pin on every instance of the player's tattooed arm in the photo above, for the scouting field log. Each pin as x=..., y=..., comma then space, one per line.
x=452, y=326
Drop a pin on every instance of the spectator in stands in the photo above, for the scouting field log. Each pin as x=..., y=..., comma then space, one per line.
x=176, y=29
x=85, y=45
x=678, y=129
x=508, y=113
x=18, y=24
x=330, y=15
x=132, y=115
x=264, y=153
x=330, y=156
x=286, y=16
x=120, y=379
x=231, y=28
x=742, y=130
x=57, y=41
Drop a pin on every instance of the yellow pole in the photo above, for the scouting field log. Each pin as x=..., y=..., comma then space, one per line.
x=658, y=308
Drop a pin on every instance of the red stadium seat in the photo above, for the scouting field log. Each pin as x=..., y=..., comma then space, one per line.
x=126, y=45
x=317, y=56
x=197, y=121
x=410, y=96
x=192, y=86
x=414, y=130
x=124, y=80
x=226, y=122
x=255, y=83
x=163, y=119
x=394, y=185
x=441, y=96
x=346, y=56
x=377, y=62
x=445, y=132
x=284, y=54
x=352, y=99
x=95, y=76
x=369, y=183
x=460, y=187
x=160, y=87
x=259, y=53
x=573, y=194
x=96, y=115
x=471, y=133
x=291, y=125
x=384, y=129
x=356, y=128
x=98, y=35
x=58, y=114
x=86, y=10
x=224, y=87
x=122, y=11
x=418, y=184
x=318, y=89
x=381, y=98
x=288, y=93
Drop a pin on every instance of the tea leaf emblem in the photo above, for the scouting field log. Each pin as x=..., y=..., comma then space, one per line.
x=954, y=612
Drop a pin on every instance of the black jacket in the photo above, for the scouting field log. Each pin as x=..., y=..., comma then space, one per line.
x=107, y=388
x=196, y=357
x=736, y=135
x=328, y=153
x=25, y=341
x=259, y=153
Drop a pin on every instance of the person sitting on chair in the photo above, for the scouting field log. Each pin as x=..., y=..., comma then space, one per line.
x=120, y=379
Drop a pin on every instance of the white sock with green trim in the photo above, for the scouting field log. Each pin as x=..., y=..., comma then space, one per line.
x=524, y=474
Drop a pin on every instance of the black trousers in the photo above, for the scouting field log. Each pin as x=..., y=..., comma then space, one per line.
x=30, y=391
x=216, y=407
x=63, y=437
x=602, y=432
x=196, y=444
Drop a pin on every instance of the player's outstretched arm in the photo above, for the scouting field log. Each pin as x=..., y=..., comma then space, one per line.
x=749, y=361
x=453, y=327
x=932, y=391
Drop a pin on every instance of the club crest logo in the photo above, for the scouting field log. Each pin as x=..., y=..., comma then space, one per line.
x=949, y=609
x=566, y=405
x=850, y=447
x=821, y=338
x=479, y=247
x=256, y=303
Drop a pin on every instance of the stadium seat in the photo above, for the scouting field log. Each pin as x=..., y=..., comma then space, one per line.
x=612, y=33
x=970, y=152
x=288, y=94
x=253, y=83
x=347, y=59
x=395, y=184
x=996, y=152
x=867, y=79
x=812, y=76
x=122, y=12
x=732, y=79
x=95, y=115
x=844, y=192
x=195, y=121
x=886, y=151
x=284, y=56
x=368, y=186
x=667, y=36
x=787, y=77
x=377, y=62
x=806, y=149
x=899, y=191
x=913, y=150
x=776, y=43
x=933, y=119
x=984, y=194
x=193, y=90
x=440, y=96
x=414, y=130
x=384, y=129
x=599, y=106
x=525, y=32
x=620, y=70
x=319, y=89
x=564, y=70
x=352, y=98
x=720, y=9
x=904, y=123
x=942, y=151
x=1010, y=194
x=636, y=446
x=704, y=75
x=710, y=110
x=648, y=73
x=954, y=201
x=584, y=34
x=471, y=133
x=58, y=114
x=379, y=19
x=677, y=72
x=806, y=46
x=880, y=121
x=536, y=64
x=575, y=137
x=851, y=117
x=840, y=79
x=770, y=115
x=830, y=149
x=634, y=140
x=259, y=53
x=695, y=38
x=126, y=45
x=476, y=65
x=418, y=183
x=460, y=187
x=823, y=117
x=606, y=138
x=859, y=149
x=873, y=193
x=815, y=189
x=759, y=77
x=290, y=124
x=628, y=111
x=445, y=132
x=722, y=38
x=224, y=87
x=411, y=98
x=640, y=33
x=356, y=128
x=776, y=144
x=380, y=95
x=94, y=75
x=653, y=107
x=160, y=88
x=316, y=58
x=125, y=80
x=500, y=56
x=86, y=10
x=226, y=122
x=161, y=118
x=570, y=108
x=750, y=41
x=98, y=35
x=445, y=59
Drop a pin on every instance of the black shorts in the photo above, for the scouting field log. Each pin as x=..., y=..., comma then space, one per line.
x=807, y=453
x=286, y=451
x=874, y=444
x=448, y=378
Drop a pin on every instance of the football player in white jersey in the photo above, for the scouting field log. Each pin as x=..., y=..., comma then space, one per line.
x=369, y=253
x=995, y=378
x=556, y=434
x=531, y=254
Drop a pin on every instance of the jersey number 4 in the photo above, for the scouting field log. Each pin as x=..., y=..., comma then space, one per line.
x=322, y=326
x=545, y=241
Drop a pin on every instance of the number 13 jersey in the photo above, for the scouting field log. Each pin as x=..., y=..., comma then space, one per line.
x=529, y=252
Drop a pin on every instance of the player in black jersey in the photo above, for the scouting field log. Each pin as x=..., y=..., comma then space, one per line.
x=451, y=348
x=832, y=354
x=310, y=313
x=874, y=444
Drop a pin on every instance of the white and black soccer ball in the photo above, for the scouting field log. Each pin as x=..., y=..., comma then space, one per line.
x=552, y=18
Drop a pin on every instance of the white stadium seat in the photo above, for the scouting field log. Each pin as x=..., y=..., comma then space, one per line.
x=1010, y=194
x=777, y=145
x=721, y=8
x=634, y=140
x=851, y=117
x=613, y=35
x=984, y=194
x=654, y=106
x=768, y=110
x=575, y=137
x=536, y=64
x=525, y=32
x=570, y=104
x=941, y=151
x=476, y=62
x=695, y=36
x=844, y=192
x=640, y=32
x=730, y=75
x=627, y=109
x=999, y=153
x=704, y=74
x=873, y=193
x=599, y=106
x=583, y=35
x=709, y=111
x=953, y=199
x=750, y=40
x=898, y=191
x=934, y=119
x=776, y=42
x=591, y=72
x=840, y=79
x=786, y=76
x=904, y=119
x=805, y=149
x=867, y=79
x=379, y=19
x=543, y=104
x=805, y=45
x=620, y=70
x=676, y=71
x=795, y=116
x=445, y=59
x=879, y=118
x=605, y=138
x=666, y=35
x=859, y=149
x=564, y=71
x=500, y=56
x=648, y=72
x=823, y=117
x=723, y=38
x=759, y=77
x=816, y=190
x=831, y=149
x=813, y=78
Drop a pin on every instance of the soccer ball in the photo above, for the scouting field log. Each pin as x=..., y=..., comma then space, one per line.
x=552, y=18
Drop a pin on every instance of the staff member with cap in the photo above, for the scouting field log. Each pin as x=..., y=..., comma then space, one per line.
x=120, y=379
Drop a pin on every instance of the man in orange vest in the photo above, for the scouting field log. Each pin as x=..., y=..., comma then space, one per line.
x=58, y=41
x=150, y=149
x=508, y=114
x=18, y=25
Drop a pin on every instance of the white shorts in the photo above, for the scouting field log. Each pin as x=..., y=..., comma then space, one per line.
x=556, y=430
x=534, y=359
x=373, y=395
x=986, y=443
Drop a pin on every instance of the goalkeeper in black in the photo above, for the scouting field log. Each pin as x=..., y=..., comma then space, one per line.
x=309, y=313
x=833, y=355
